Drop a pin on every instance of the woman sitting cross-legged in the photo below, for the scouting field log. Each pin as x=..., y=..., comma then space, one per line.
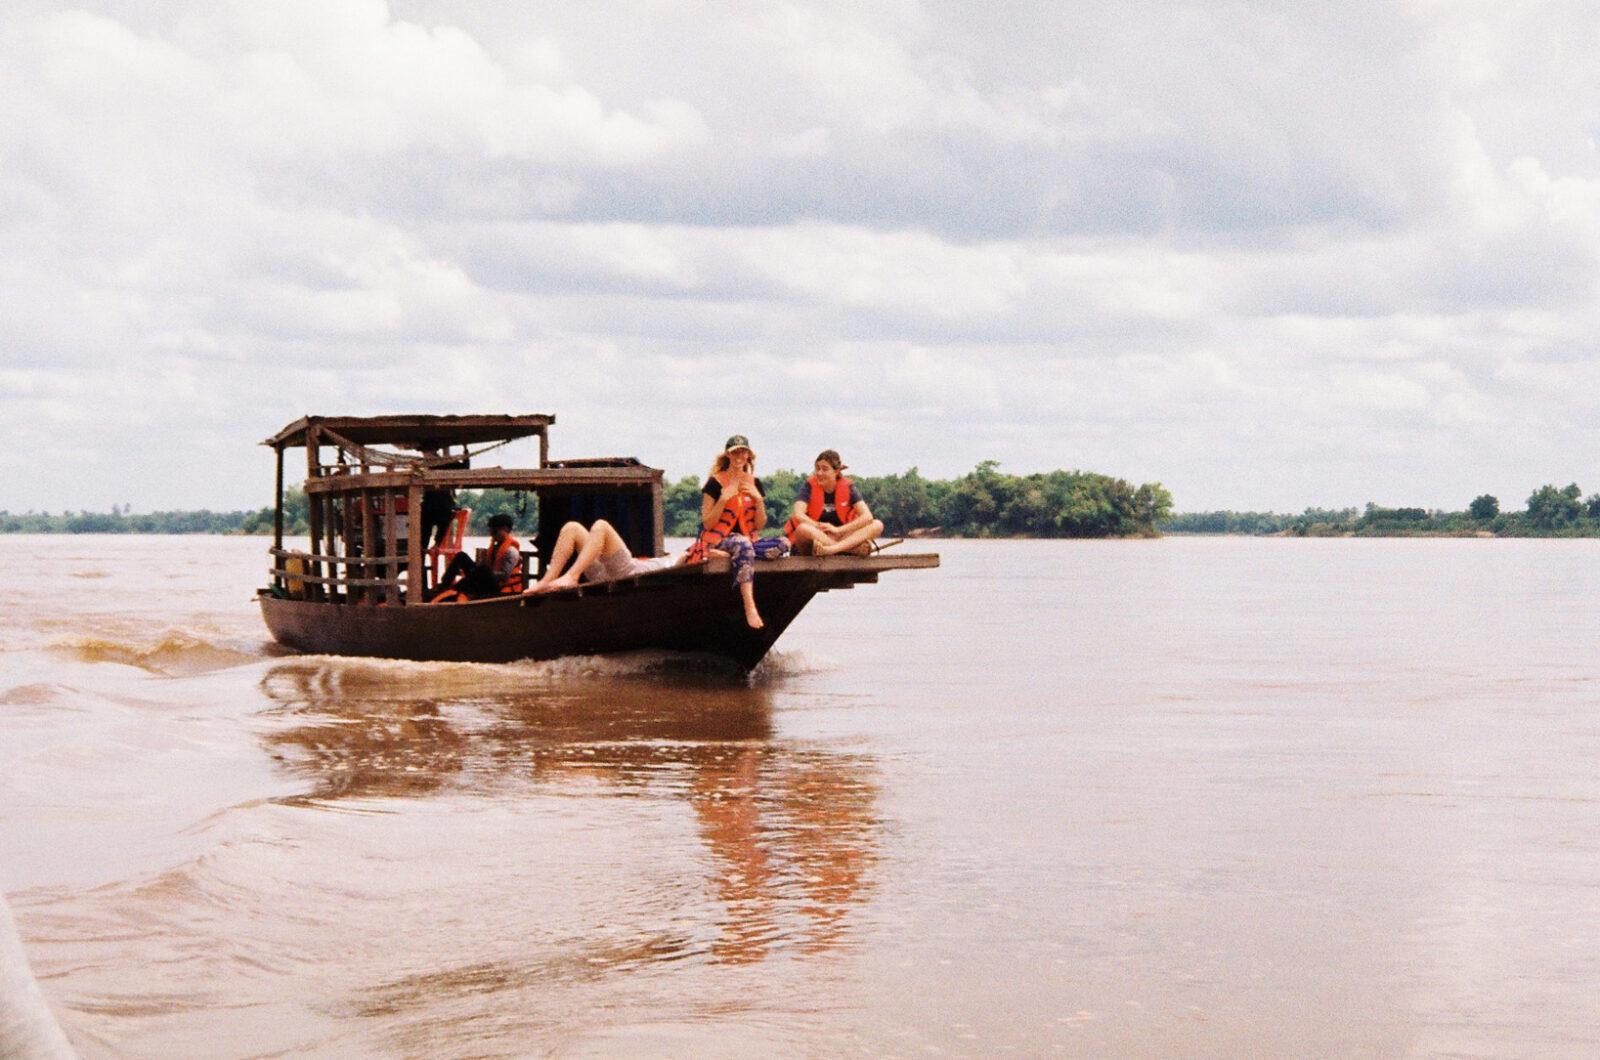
x=830, y=514
x=597, y=553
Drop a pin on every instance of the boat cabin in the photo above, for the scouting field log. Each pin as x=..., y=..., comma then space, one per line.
x=370, y=479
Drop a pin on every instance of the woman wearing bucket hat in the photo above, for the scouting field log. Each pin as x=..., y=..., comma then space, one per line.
x=733, y=509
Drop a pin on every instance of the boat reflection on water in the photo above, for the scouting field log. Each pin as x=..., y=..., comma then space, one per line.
x=792, y=831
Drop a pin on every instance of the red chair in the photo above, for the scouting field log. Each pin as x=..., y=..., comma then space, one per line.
x=453, y=534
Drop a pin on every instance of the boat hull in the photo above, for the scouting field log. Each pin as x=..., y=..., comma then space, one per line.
x=692, y=609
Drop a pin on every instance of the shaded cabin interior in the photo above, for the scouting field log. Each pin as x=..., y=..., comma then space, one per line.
x=366, y=479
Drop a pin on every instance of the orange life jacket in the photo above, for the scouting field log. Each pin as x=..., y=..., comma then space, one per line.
x=738, y=517
x=841, y=504
x=513, y=582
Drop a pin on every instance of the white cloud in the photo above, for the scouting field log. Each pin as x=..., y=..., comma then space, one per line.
x=1270, y=255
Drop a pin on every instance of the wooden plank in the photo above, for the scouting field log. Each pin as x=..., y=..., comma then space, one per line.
x=411, y=430
x=277, y=512
x=369, y=535
x=313, y=502
x=354, y=561
x=415, y=579
x=331, y=527
x=391, y=544
x=641, y=478
x=364, y=582
x=659, y=536
x=835, y=564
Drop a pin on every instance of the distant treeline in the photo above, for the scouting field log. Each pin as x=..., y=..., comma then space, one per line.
x=122, y=520
x=1550, y=512
x=983, y=503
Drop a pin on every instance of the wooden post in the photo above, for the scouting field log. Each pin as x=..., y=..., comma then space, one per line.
x=416, y=580
x=313, y=502
x=544, y=448
x=391, y=546
x=331, y=540
x=369, y=546
x=277, y=517
x=659, y=545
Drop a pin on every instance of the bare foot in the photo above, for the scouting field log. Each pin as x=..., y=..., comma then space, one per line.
x=753, y=618
x=566, y=581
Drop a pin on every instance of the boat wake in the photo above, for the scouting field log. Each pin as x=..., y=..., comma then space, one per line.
x=669, y=665
x=369, y=677
x=643, y=665
x=780, y=665
x=182, y=653
x=172, y=653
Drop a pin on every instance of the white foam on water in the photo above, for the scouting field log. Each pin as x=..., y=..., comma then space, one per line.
x=28, y=1030
x=779, y=665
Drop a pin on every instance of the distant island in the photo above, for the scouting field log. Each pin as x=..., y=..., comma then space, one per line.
x=1550, y=512
x=983, y=503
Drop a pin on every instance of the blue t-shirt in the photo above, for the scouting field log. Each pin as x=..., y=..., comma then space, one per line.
x=829, y=514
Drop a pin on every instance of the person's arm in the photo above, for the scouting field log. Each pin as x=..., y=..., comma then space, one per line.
x=754, y=489
x=863, y=517
x=802, y=504
x=711, y=506
x=863, y=513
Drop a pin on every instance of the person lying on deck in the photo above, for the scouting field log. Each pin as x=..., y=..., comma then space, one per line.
x=830, y=515
x=499, y=574
x=597, y=553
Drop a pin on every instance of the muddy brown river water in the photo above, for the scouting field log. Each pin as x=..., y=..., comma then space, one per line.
x=1181, y=798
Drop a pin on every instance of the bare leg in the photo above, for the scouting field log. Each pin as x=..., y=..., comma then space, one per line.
x=752, y=617
x=601, y=539
x=809, y=539
x=572, y=538
x=856, y=538
x=742, y=554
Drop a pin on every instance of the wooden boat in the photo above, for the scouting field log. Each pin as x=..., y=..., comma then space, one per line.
x=359, y=587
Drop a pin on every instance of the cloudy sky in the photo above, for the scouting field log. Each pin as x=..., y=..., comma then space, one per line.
x=1272, y=254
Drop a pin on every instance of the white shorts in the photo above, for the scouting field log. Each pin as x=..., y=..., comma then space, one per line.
x=621, y=565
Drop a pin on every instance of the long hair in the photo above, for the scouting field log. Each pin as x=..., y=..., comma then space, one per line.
x=722, y=463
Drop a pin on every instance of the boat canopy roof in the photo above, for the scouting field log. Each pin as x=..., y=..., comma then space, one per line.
x=401, y=452
x=418, y=432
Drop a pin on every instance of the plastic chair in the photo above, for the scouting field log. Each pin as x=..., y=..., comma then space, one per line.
x=454, y=532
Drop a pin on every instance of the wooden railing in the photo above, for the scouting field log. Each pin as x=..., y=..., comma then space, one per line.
x=390, y=587
x=343, y=588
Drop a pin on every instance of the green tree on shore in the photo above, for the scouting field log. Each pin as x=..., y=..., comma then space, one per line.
x=1553, y=509
x=985, y=502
